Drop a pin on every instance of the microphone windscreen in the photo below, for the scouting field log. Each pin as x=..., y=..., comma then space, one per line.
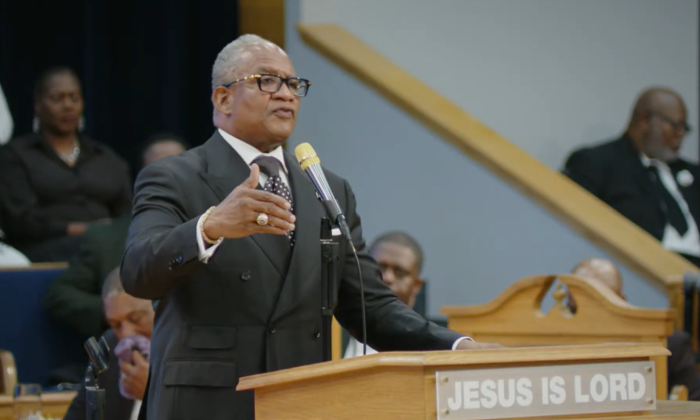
x=306, y=155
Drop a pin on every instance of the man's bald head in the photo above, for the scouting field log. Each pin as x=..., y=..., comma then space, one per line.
x=657, y=124
x=602, y=270
x=657, y=99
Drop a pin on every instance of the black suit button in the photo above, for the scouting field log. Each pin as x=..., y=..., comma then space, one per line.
x=272, y=330
x=317, y=334
x=245, y=276
x=175, y=262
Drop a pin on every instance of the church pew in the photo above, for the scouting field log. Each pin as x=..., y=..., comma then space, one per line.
x=54, y=405
x=39, y=344
x=8, y=372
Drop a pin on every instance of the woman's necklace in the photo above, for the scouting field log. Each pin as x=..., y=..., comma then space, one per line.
x=72, y=157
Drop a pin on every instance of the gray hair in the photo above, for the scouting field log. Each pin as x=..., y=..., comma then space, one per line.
x=112, y=284
x=228, y=63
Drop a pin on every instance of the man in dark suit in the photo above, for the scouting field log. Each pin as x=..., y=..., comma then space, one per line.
x=127, y=316
x=400, y=260
x=226, y=237
x=641, y=175
x=681, y=362
x=73, y=298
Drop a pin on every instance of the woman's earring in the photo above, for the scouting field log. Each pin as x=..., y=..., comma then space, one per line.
x=35, y=124
x=81, y=123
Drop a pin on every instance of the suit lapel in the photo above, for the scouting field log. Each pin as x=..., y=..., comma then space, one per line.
x=306, y=255
x=637, y=171
x=225, y=171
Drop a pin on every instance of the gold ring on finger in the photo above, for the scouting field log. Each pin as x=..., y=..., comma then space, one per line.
x=263, y=219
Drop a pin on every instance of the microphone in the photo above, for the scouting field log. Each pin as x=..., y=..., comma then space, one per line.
x=311, y=164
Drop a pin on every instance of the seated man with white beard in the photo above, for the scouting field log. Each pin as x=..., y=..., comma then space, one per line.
x=643, y=177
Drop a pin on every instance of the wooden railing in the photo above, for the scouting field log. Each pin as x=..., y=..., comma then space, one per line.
x=53, y=405
x=563, y=198
x=36, y=266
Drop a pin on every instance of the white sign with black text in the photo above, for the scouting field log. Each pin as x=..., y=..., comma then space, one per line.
x=480, y=394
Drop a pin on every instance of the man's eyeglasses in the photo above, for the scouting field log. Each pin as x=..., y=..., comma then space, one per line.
x=272, y=83
x=677, y=125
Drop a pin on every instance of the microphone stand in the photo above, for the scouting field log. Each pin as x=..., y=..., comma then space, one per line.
x=330, y=251
x=95, y=398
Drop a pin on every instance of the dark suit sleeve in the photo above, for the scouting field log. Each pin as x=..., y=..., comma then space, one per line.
x=586, y=169
x=391, y=325
x=681, y=365
x=73, y=298
x=20, y=204
x=161, y=247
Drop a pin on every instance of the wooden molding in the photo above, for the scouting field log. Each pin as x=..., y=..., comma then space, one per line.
x=8, y=372
x=336, y=340
x=37, y=267
x=53, y=404
x=516, y=316
x=262, y=17
x=533, y=289
x=553, y=191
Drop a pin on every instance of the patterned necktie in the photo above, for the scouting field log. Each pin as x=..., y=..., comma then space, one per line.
x=271, y=167
x=669, y=205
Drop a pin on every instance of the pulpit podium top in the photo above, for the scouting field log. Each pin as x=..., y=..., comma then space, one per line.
x=476, y=358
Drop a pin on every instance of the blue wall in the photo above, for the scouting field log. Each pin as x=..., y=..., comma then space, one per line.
x=479, y=234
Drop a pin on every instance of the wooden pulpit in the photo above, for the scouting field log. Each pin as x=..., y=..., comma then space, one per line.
x=589, y=381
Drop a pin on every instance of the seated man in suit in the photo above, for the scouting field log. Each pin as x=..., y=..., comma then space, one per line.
x=131, y=321
x=681, y=366
x=400, y=259
x=74, y=298
x=641, y=175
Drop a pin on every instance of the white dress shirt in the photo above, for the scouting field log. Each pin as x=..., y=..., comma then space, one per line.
x=6, y=123
x=249, y=154
x=135, y=410
x=690, y=242
x=355, y=348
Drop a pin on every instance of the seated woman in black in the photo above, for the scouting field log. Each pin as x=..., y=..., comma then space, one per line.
x=54, y=182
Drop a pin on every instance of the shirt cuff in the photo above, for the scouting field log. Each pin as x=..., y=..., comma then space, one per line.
x=459, y=340
x=204, y=252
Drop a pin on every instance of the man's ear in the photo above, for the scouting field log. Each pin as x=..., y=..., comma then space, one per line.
x=221, y=98
x=417, y=286
x=645, y=119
